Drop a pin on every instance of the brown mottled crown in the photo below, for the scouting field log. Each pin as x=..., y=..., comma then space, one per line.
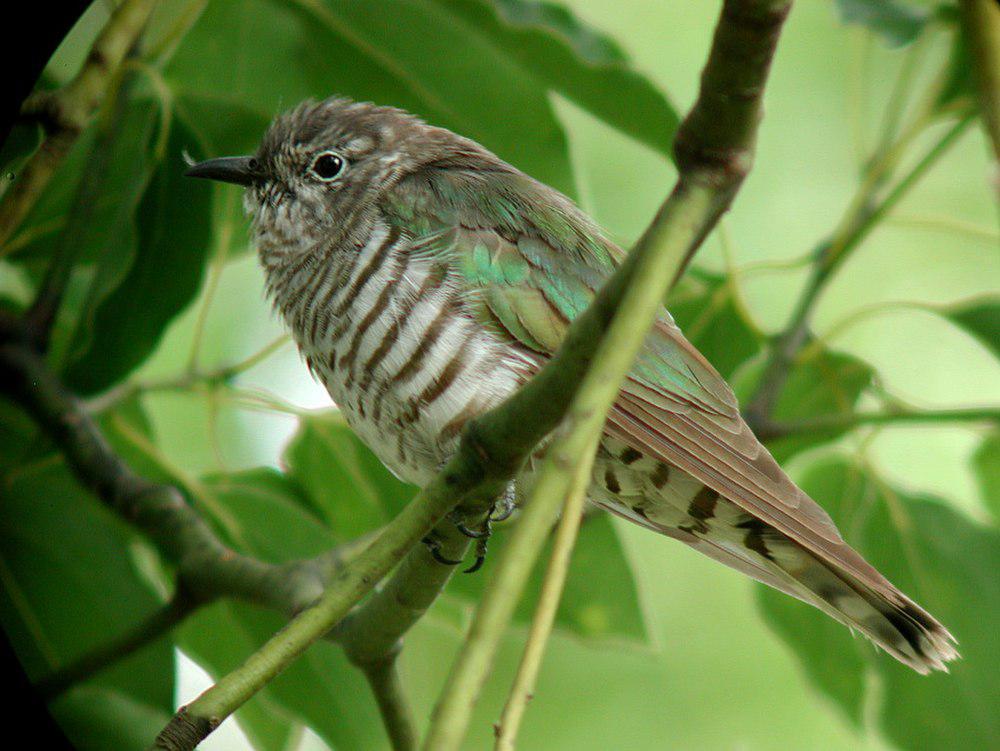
x=334, y=120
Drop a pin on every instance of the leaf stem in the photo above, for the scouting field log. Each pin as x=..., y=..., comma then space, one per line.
x=387, y=687
x=861, y=217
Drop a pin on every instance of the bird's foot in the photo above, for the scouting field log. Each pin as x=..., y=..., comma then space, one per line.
x=500, y=511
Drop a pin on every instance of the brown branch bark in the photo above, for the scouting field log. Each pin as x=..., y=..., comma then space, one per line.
x=981, y=26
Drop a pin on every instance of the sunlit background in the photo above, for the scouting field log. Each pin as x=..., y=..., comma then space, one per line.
x=716, y=677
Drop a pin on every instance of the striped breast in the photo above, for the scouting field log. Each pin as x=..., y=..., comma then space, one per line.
x=389, y=335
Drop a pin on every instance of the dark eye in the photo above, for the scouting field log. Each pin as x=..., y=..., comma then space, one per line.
x=328, y=165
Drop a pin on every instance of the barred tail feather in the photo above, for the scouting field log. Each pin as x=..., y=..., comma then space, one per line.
x=892, y=621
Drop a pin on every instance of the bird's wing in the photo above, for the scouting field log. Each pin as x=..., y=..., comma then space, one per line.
x=530, y=262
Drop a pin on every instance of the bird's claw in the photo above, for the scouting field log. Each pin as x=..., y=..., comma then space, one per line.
x=434, y=548
x=499, y=511
x=503, y=508
x=475, y=534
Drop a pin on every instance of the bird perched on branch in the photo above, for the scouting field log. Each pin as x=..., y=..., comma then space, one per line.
x=425, y=279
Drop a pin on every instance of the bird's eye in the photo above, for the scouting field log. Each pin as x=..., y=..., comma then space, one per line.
x=328, y=165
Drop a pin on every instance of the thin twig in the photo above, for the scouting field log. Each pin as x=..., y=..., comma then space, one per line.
x=545, y=614
x=862, y=216
x=981, y=26
x=822, y=423
x=386, y=685
x=207, y=568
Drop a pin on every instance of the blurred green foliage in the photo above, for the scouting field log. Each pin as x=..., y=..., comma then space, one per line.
x=655, y=647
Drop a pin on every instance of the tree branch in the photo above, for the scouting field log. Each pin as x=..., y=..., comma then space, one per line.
x=206, y=567
x=714, y=150
x=383, y=677
x=864, y=213
x=981, y=26
x=66, y=113
x=773, y=429
x=545, y=612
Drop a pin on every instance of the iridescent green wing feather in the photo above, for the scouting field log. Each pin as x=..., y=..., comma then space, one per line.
x=530, y=262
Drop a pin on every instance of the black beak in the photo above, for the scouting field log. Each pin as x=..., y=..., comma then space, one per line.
x=241, y=170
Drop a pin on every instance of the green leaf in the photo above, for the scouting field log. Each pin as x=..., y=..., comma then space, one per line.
x=69, y=586
x=705, y=308
x=345, y=482
x=838, y=672
x=22, y=141
x=99, y=719
x=958, y=83
x=174, y=234
x=428, y=60
x=986, y=463
x=577, y=61
x=898, y=23
x=944, y=560
x=981, y=319
x=828, y=383
x=480, y=69
x=271, y=512
x=274, y=521
x=600, y=600
x=320, y=688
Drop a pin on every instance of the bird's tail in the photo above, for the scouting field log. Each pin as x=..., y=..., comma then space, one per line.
x=886, y=616
x=889, y=618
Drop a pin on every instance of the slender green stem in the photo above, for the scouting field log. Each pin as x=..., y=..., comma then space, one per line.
x=981, y=26
x=901, y=91
x=822, y=423
x=545, y=613
x=862, y=216
x=387, y=687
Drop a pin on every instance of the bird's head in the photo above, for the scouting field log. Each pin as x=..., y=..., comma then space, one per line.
x=320, y=168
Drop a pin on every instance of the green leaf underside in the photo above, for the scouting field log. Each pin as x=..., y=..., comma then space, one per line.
x=69, y=586
x=986, y=463
x=944, y=560
x=216, y=639
x=99, y=718
x=981, y=320
x=705, y=307
x=342, y=481
x=173, y=237
x=896, y=21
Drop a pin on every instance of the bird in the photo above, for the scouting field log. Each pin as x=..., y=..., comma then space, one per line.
x=424, y=280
